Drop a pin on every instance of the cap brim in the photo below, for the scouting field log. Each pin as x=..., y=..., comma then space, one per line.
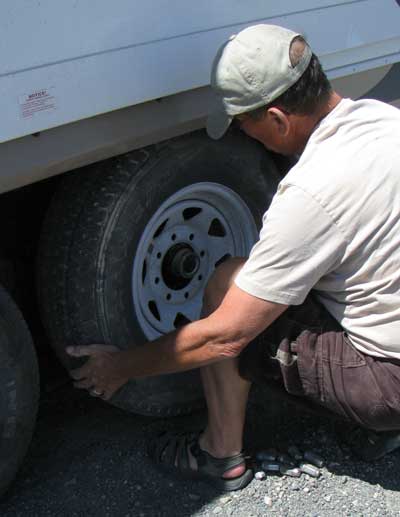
x=218, y=123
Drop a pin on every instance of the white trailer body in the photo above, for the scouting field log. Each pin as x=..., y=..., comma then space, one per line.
x=67, y=61
x=129, y=241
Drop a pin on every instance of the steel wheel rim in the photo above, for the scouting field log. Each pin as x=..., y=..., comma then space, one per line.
x=192, y=232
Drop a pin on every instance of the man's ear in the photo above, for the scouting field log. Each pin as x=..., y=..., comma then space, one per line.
x=280, y=119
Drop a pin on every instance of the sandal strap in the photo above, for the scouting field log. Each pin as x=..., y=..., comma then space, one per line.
x=171, y=447
x=159, y=447
x=173, y=450
x=215, y=466
x=182, y=454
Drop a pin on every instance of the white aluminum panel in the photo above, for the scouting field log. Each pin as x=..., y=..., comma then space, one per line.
x=93, y=57
x=41, y=32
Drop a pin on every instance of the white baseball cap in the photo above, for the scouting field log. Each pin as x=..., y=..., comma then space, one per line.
x=251, y=70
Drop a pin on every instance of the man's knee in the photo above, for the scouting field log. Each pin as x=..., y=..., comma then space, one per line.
x=221, y=280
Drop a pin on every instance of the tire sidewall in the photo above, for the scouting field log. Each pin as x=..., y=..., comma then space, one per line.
x=19, y=389
x=232, y=163
x=92, y=233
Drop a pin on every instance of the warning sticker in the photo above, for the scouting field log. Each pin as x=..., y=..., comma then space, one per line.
x=37, y=102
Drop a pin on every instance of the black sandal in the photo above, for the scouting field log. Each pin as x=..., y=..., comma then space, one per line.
x=170, y=448
x=369, y=445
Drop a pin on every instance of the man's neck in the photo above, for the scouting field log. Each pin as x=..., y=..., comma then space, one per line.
x=329, y=106
x=308, y=124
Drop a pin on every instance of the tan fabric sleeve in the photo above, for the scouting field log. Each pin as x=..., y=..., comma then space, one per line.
x=299, y=243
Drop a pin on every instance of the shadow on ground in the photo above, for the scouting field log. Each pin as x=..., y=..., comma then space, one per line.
x=89, y=458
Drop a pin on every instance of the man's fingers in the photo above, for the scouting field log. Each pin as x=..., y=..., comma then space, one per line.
x=80, y=351
x=87, y=350
x=108, y=394
x=105, y=348
x=98, y=370
x=83, y=384
x=79, y=373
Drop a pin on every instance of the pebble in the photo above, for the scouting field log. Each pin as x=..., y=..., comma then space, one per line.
x=306, y=490
x=268, y=500
x=328, y=498
x=344, y=480
x=224, y=500
x=217, y=509
x=260, y=475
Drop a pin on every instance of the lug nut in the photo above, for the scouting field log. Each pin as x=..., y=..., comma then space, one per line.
x=270, y=466
x=286, y=460
x=295, y=453
x=260, y=475
x=288, y=470
x=314, y=459
x=267, y=455
x=309, y=469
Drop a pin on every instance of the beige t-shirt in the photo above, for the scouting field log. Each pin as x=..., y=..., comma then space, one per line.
x=334, y=225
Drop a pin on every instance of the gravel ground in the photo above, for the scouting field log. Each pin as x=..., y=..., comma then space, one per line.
x=88, y=459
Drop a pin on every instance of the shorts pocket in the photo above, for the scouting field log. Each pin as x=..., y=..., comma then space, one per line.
x=309, y=361
x=288, y=354
x=339, y=350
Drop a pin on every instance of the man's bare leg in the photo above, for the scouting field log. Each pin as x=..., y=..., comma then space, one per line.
x=225, y=391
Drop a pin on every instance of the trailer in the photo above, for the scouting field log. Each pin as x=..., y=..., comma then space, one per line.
x=103, y=107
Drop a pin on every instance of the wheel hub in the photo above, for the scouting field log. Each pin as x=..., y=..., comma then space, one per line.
x=190, y=234
x=179, y=266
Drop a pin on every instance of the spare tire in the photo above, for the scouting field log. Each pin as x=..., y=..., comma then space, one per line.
x=19, y=389
x=128, y=245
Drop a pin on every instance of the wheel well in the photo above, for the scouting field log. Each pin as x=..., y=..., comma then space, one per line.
x=22, y=213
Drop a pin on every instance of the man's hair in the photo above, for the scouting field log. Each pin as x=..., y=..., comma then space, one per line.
x=307, y=94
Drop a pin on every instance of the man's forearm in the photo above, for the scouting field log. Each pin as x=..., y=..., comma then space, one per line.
x=192, y=346
x=222, y=335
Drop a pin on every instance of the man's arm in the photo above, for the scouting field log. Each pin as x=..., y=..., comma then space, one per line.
x=222, y=335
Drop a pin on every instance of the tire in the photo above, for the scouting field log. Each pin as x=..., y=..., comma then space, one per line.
x=19, y=389
x=105, y=228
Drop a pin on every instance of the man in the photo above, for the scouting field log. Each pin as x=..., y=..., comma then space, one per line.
x=333, y=226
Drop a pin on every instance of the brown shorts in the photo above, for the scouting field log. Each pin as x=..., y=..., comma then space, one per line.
x=307, y=352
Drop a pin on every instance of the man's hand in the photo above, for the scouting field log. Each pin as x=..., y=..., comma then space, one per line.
x=101, y=374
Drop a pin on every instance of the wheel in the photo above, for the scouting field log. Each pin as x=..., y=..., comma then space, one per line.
x=128, y=246
x=19, y=389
